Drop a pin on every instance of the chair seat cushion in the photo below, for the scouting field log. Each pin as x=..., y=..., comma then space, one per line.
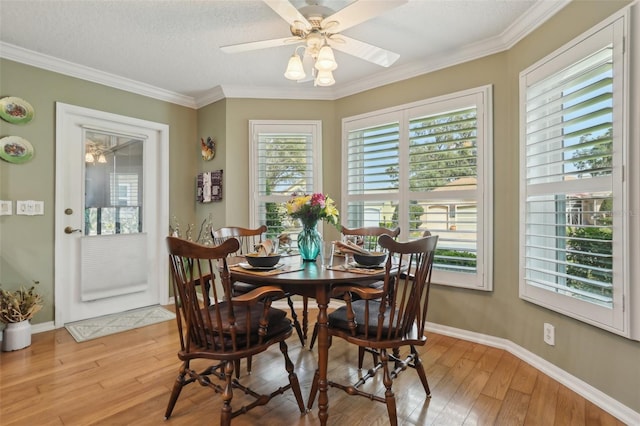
x=338, y=318
x=241, y=288
x=278, y=323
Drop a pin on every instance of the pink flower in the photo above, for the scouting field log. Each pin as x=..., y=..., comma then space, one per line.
x=318, y=199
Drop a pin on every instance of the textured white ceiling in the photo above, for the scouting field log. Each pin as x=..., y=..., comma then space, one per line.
x=173, y=45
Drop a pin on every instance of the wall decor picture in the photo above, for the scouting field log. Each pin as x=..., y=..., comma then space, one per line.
x=208, y=148
x=15, y=110
x=15, y=149
x=209, y=186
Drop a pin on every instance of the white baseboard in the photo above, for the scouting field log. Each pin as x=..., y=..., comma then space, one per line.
x=597, y=397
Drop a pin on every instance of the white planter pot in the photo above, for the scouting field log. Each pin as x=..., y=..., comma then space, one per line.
x=16, y=335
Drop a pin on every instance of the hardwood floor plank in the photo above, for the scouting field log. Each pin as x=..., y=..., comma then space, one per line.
x=524, y=379
x=594, y=416
x=483, y=412
x=514, y=409
x=542, y=406
x=125, y=379
x=500, y=379
x=570, y=409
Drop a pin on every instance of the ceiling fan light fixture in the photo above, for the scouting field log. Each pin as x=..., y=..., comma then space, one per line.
x=295, y=70
x=326, y=60
x=324, y=78
x=88, y=158
x=102, y=159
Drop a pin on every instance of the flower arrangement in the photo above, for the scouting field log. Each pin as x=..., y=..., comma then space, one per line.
x=19, y=305
x=310, y=208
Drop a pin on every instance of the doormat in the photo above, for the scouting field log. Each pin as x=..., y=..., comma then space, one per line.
x=110, y=324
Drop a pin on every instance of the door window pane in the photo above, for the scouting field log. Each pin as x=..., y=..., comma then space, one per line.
x=113, y=184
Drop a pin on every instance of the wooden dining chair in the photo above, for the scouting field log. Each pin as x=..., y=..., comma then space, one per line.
x=367, y=238
x=221, y=327
x=381, y=322
x=248, y=239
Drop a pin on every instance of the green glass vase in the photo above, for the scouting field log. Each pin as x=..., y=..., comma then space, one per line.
x=309, y=242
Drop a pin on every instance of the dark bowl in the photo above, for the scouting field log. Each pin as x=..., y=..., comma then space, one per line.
x=374, y=259
x=258, y=261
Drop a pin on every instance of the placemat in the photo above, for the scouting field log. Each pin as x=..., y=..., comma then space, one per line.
x=281, y=270
x=358, y=269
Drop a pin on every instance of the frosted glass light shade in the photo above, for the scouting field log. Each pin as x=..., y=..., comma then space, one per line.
x=324, y=78
x=295, y=70
x=326, y=61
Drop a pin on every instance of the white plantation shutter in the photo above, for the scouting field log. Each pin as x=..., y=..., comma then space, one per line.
x=372, y=193
x=286, y=159
x=422, y=167
x=572, y=156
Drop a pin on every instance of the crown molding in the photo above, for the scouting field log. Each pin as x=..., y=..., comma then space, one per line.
x=50, y=63
x=537, y=14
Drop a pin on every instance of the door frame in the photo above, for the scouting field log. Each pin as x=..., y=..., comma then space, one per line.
x=157, y=254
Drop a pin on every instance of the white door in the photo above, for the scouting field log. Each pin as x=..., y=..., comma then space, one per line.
x=111, y=213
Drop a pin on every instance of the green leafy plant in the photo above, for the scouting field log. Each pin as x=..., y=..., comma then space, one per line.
x=19, y=305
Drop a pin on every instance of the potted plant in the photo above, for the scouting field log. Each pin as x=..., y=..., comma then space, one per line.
x=17, y=307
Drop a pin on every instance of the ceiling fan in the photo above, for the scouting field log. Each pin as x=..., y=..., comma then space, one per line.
x=318, y=28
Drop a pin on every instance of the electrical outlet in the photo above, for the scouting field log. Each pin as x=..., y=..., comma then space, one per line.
x=549, y=334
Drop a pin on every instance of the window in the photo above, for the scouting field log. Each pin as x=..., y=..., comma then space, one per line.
x=426, y=166
x=113, y=183
x=285, y=159
x=573, y=146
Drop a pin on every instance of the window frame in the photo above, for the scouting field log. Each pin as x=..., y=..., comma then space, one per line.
x=256, y=127
x=617, y=318
x=482, y=97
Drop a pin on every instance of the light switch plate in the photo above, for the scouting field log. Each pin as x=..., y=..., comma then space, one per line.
x=22, y=207
x=29, y=207
x=6, y=207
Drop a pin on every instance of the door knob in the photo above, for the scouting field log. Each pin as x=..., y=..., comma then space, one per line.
x=70, y=230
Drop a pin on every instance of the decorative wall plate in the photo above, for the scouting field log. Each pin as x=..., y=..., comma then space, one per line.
x=16, y=110
x=15, y=149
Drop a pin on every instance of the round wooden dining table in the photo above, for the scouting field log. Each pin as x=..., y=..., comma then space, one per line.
x=310, y=279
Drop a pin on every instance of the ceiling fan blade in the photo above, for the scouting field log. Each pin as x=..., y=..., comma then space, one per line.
x=368, y=52
x=358, y=12
x=255, y=45
x=289, y=13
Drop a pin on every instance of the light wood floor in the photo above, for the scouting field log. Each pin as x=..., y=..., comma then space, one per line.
x=125, y=379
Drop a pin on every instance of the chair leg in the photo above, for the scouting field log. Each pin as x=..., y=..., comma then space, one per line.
x=314, y=336
x=293, y=379
x=420, y=369
x=305, y=316
x=237, y=368
x=314, y=390
x=177, y=388
x=296, y=324
x=227, y=396
x=360, y=357
x=249, y=358
x=389, y=397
